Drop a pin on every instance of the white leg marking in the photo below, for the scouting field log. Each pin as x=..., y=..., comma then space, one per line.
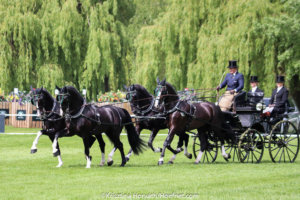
x=199, y=157
x=129, y=154
x=102, y=159
x=88, y=162
x=161, y=159
x=111, y=154
x=36, y=140
x=225, y=155
x=60, y=162
x=54, y=145
x=173, y=158
x=61, y=112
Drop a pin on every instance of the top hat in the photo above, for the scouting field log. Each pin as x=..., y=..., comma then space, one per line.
x=279, y=79
x=253, y=79
x=232, y=64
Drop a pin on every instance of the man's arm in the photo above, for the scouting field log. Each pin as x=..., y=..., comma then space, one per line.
x=283, y=99
x=241, y=83
x=224, y=83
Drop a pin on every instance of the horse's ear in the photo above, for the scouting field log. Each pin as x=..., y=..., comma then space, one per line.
x=42, y=88
x=57, y=88
x=164, y=81
x=157, y=80
x=125, y=87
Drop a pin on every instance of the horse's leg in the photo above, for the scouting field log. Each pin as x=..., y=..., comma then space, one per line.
x=119, y=145
x=151, y=138
x=110, y=155
x=102, y=148
x=87, y=144
x=224, y=154
x=179, y=148
x=203, y=142
x=35, y=142
x=55, y=151
x=60, y=162
x=167, y=144
x=186, y=142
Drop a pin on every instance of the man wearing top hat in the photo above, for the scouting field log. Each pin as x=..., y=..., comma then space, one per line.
x=255, y=94
x=234, y=82
x=279, y=98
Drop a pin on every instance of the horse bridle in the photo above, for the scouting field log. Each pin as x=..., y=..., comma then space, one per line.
x=44, y=116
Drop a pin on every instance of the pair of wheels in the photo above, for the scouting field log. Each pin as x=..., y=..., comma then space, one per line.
x=282, y=142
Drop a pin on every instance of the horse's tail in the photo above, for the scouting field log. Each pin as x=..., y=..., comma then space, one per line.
x=136, y=143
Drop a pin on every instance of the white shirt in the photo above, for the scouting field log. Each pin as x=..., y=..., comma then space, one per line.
x=278, y=89
x=253, y=89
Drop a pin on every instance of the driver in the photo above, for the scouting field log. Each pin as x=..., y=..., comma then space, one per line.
x=235, y=83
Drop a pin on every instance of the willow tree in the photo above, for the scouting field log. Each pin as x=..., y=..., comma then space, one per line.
x=105, y=63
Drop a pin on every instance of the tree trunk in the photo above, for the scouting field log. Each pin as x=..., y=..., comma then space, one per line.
x=106, y=83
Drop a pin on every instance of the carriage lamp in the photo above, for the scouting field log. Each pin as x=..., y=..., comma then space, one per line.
x=16, y=90
x=56, y=92
x=260, y=106
x=84, y=92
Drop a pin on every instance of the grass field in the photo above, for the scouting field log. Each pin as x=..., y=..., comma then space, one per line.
x=34, y=176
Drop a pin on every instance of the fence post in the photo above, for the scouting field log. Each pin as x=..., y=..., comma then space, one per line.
x=2, y=123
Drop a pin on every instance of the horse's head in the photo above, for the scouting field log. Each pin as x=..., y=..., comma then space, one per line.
x=160, y=92
x=42, y=99
x=138, y=96
x=69, y=99
x=164, y=93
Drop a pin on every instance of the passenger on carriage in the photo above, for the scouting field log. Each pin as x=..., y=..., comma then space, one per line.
x=255, y=95
x=234, y=82
x=279, y=99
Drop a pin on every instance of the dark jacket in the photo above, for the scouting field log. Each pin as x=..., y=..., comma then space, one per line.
x=233, y=83
x=280, y=99
x=257, y=90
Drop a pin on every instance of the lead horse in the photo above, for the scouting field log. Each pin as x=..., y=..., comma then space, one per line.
x=88, y=119
x=53, y=124
x=142, y=105
x=184, y=116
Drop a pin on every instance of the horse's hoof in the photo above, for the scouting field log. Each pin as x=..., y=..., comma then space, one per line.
x=160, y=162
x=170, y=162
x=229, y=156
x=226, y=159
x=123, y=164
x=101, y=164
x=196, y=163
x=57, y=153
x=127, y=159
x=109, y=163
x=59, y=165
x=189, y=156
x=32, y=151
x=160, y=149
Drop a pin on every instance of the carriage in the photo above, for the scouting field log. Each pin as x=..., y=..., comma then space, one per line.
x=254, y=133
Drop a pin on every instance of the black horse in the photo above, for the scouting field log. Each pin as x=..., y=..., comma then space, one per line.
x=184, y=116
x=88, y=119
x=53, y=124
x=142, y=105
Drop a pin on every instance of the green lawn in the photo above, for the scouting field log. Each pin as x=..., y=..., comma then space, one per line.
x=34, y=176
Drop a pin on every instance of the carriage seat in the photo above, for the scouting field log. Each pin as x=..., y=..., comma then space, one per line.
x=254, y=97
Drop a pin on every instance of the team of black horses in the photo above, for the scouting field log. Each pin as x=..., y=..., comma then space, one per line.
x=69, y=114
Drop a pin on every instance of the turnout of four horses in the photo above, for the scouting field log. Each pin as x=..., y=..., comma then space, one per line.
x=69, y=114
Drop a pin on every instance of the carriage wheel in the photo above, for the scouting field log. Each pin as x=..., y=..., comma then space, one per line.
x=210, y=154
x=284, y=142
x=231, y=150
x=251, y=146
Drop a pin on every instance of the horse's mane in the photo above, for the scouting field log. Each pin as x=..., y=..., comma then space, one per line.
x=172, y=88
x=142, y=90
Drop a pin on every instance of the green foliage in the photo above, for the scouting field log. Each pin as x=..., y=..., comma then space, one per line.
x=102, y=44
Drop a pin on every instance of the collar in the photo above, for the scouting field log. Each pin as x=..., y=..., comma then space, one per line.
x=279, y=88
x=253, y=89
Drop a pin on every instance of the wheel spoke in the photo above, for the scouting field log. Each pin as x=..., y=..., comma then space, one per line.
x=288, y=154
x=275, y=148
x=290, y=150
x=291, y=139
x=206, y=156
x=255, y=156
x=211, y=155
x=277, y=153
x=281, y=155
